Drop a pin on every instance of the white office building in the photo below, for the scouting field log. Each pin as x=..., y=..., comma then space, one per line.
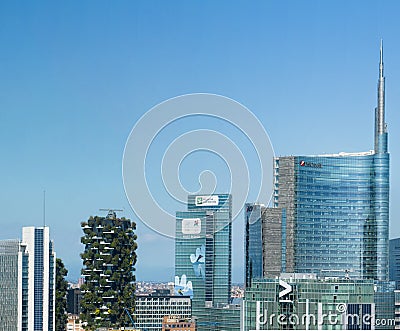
x=41, y=278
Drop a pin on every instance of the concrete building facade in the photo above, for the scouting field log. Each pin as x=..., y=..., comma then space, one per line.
x=150, y=310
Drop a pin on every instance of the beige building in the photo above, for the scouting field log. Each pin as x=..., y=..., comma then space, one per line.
x=175, y=323
x=74, y=323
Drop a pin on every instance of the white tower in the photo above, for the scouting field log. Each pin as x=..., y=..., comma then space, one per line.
x=41, y=278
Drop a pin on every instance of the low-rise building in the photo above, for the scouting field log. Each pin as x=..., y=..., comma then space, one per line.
x=151, y=309
x=175, y=323
x=74, y=323
x=306, y=302
x=397, y=309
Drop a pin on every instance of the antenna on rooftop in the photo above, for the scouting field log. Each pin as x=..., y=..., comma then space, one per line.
x=44, y=208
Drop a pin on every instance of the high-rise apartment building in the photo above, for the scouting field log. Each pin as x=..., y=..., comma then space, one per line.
x=41, y=278
x=108, y=265
x=13, y=286
x=335, y=209
x=203, y=262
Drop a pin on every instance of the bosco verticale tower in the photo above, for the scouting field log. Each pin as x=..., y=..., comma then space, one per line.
x=108, y=265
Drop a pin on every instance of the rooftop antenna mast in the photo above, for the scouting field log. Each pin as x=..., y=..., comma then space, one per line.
x=44, y=208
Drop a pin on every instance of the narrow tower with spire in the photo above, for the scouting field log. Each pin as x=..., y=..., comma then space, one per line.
x=380, y=187
x=380, y=125
x=345, y=196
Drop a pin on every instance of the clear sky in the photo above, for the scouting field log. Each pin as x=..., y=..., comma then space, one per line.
x=77, y=75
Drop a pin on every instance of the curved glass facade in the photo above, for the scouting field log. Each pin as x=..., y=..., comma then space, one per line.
x=339, y=212
x=381, y=213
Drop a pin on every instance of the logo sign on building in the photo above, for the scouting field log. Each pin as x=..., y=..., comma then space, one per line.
x=191, y=226
x=310, y=164
x=204, y=200
x=287, y=288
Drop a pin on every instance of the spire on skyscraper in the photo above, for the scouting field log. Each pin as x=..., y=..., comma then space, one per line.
x=380, y=125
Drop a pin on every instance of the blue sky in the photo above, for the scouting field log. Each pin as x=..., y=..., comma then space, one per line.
x=77, y=75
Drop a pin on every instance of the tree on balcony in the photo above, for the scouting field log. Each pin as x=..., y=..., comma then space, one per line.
x=109, y=279
x=61, y=296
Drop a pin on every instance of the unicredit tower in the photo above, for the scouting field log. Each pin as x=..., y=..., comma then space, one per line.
x=335, y=208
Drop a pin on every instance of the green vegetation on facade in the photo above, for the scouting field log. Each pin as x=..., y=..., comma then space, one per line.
x=108, y=265
x=61, y=296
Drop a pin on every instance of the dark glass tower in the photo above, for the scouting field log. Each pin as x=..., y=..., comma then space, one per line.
x=264, y=258
x=253, y=242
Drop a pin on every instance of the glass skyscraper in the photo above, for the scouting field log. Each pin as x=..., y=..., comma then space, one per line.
x=203, y=249
x=13, y=286
x=253, y=242
x=27, y=282
x=335, y=208
x=264, y=258
x=333, y=217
